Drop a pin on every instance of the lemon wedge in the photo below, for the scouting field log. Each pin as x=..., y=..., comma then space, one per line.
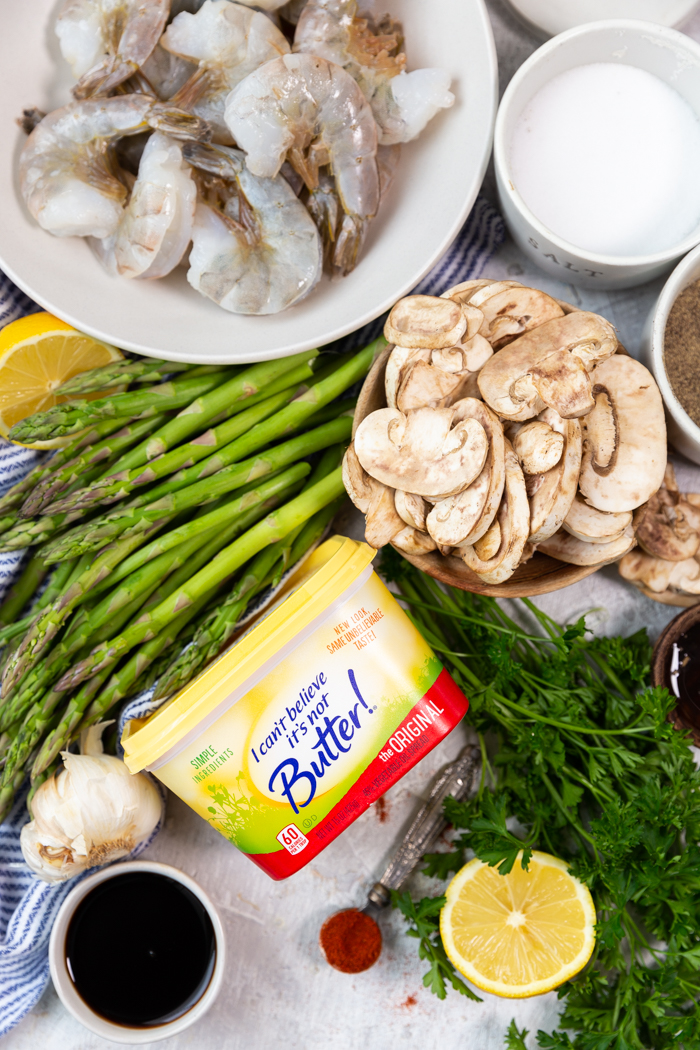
x=37, y=354
x=519, y=934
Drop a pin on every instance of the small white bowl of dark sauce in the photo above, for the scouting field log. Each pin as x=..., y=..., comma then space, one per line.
x=137, y=952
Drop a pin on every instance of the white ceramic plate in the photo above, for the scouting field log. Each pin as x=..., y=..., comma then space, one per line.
x=436, y=185
x=549, y=17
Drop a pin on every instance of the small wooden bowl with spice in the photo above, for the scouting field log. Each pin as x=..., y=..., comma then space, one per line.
x=671, y=351
x=540, y=574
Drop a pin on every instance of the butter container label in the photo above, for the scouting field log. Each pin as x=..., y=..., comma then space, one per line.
x=321, y=735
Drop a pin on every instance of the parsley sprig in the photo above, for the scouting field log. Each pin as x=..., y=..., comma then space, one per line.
x=579, y=761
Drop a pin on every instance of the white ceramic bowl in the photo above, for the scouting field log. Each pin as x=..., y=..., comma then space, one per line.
x=66, y=989
x=548, y=17
x=683, y=434
x=672, y=57
x=437, y=182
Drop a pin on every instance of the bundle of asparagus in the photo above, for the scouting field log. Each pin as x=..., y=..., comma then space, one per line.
x=215, y=497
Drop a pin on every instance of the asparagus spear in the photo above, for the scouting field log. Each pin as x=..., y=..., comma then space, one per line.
x=28, y=531
x=59, y=480
x=127, y=676
x=135, y=518
x=283, y=422
x=23, y=590
x=49, y=621
x=126, y=474
x=107, y=617
x=144, y=370
x=120, y=684
x=14, y=497
x=71, y=416
x=117, y=485
x=273, y=528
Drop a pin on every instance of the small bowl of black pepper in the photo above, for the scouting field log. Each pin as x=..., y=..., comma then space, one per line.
x=671, y=350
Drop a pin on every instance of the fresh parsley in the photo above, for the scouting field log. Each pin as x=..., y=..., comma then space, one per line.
x=579, y=751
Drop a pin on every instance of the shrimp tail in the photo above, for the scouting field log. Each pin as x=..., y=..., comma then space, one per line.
x=324, y=208
x=104, y=78
x=348, y=245
x=177, y=124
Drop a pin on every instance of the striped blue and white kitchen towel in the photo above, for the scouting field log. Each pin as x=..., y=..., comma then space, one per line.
x=29, y=906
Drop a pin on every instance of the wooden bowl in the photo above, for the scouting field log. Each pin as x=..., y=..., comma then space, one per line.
x=540, y=575
x=661, y=668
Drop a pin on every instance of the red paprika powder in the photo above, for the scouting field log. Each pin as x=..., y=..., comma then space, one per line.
x=351, y=941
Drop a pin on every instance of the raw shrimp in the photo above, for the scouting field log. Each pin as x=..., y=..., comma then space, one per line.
x=106, y=41
x=68, y=175
x=255, y=248
x=228, y=41
x=402, y=102
x=312, y=113
x=166, y=73
x=156, y=226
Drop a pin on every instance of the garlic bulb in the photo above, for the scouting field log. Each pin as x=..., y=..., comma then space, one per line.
x=91, y=812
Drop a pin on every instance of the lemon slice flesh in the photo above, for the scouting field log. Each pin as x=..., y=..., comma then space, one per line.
x=519, y=934
x=37, y=354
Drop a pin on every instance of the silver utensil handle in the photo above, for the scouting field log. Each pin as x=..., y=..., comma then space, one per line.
x=457, y=779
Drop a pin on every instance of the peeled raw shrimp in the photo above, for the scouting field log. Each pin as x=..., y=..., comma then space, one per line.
x=255, y=248
x=228, y=41
x=106, y=41
x=311, y=112
x=156, y=226
x=402, y=103
x=68, y=177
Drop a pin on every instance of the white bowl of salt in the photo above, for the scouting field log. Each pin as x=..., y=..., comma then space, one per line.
x=597, y=153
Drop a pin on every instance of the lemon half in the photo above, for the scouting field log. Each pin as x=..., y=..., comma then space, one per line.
x=519, y=934
x=37, y=354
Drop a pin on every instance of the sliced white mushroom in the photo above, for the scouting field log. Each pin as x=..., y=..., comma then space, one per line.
x=661, y=528
x=624, y=456
x=518, y=382
x=488, y=290
x=425, y=322
x=462, y=519
x=487, y=547
x=358, y=484
x=591, y=525
x=657, y=575
x=552, y=492
x=421, y=451
x=513, y=528
x=376, y=501
x=413, y=541
x=565, y=547
x=411, y=508
x=510, y=312
x=461, y=293
x=538, y=447
x=399, y=360
x=423, y=385
x=381, y=520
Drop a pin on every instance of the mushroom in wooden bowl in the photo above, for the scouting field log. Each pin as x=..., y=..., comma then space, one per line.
x=498, y=438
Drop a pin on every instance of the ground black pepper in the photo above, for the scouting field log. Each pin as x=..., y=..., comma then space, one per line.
x=682, y=350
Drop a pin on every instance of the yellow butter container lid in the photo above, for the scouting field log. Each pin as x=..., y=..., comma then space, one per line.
x=321, y=581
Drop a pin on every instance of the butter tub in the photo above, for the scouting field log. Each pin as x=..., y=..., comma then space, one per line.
x=328, y=699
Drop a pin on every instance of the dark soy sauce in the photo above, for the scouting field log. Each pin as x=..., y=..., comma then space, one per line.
x=684, y=675
x=140, y=949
